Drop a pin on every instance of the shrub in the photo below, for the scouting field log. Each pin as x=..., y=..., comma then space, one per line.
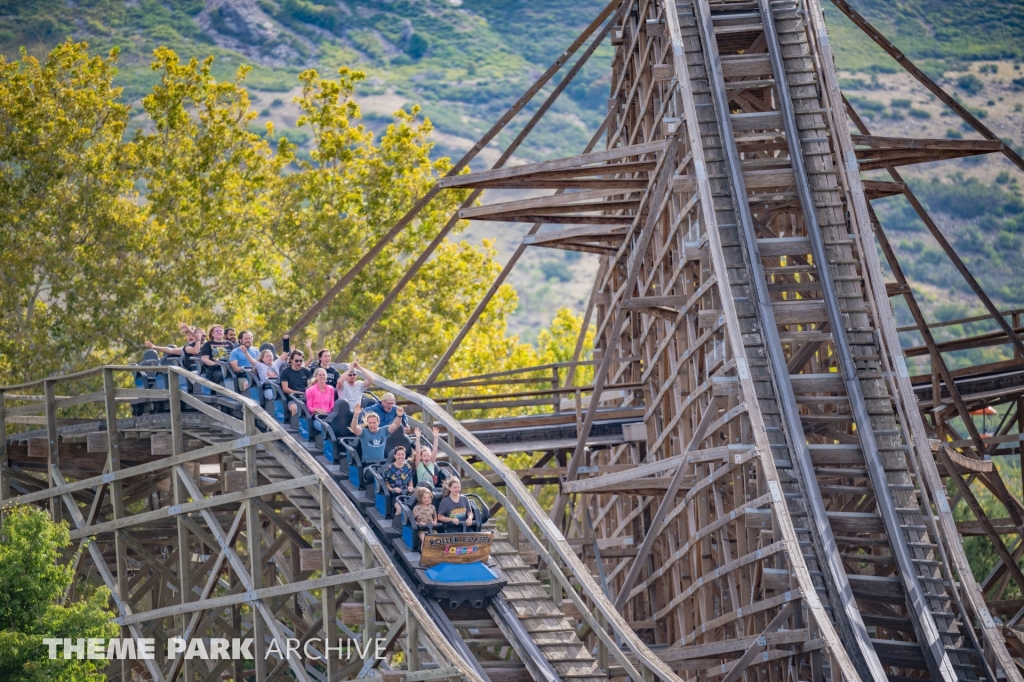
x=963, y=198
x=970, y=240
x=309, y=13
x=900, y=103
x=990, y=223
x=919, y=113
x=970, y=84
x=954, y=134
x=418, y=46
x=865, y=103
x=553, y=270
x=1007, y=241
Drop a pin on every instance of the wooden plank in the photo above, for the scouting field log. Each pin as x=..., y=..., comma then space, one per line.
x=804, y=311
x=853, y=523
x=817, y=383
x=574, y=162
x=784, y=246
x=759, y=120
x=745, y=66
x=609, y=234
x=160, y=444
x=187, y=508
x=564, y=201
x=245, y=597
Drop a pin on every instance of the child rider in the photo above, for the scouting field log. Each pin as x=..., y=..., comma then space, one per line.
x=398, y=477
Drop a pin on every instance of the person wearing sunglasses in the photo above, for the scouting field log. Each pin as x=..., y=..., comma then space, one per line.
x=294, y=378
x=389, y=412
x=350, y=388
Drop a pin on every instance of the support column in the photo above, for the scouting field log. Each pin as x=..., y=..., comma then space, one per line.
x=116, y=498
x=52, y=451
x=5, y=484
x=178, y=490
x=328, y=594
x=254, y=538
x=369, y=596
x=412, y=633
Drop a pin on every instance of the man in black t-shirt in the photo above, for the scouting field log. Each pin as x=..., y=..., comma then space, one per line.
x=216, y=349
x=294, y=378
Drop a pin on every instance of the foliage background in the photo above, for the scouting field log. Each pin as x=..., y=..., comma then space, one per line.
x=30, y=584
x=114, y=235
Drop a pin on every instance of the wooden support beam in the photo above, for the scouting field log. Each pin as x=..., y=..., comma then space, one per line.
x=667, y=503
x=202, y=504
x=52, y=453
x=923, y=78
x=251, y=596
x=455, y=170
x=116, y=499
x=740, y=666
x=329, y=605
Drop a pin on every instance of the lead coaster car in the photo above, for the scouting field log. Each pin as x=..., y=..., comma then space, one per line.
x=461, y=579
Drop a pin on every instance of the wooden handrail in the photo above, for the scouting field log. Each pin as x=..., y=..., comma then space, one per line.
x=559, y=546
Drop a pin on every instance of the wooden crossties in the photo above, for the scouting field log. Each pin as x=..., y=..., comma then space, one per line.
x=281, y=552
x=744, y=479
x=748, y=299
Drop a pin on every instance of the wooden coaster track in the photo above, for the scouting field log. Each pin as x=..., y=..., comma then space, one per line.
x=285, y=495
x=753, y=486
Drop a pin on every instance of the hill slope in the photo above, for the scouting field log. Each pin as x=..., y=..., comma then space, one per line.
x=465, y=62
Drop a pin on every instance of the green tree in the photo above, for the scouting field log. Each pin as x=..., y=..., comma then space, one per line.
x=207, y=179
x=31, y=582
x=68, y=211
x=199, y=216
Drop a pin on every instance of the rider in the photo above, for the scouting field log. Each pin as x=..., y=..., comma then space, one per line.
x=372, y=437
x=454, y=508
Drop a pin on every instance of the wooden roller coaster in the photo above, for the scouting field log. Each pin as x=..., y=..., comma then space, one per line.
x=753, y=486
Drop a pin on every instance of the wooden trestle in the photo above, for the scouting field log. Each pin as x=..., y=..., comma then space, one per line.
x=754, y=486
x=799, y=521
x=207, y=518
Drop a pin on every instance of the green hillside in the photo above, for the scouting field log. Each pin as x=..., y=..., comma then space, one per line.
x=465, y=62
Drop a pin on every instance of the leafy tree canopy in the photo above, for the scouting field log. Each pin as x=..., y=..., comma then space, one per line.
x=31, y=582
x=116, y=224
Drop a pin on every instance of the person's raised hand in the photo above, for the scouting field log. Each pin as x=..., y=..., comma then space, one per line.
x=416, y=431
x=359, y=408
x=309, y=343
x=400, y=411
x=148, y=344
x=437, y=432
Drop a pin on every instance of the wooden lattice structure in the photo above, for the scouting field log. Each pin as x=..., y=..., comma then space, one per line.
x=753, y=486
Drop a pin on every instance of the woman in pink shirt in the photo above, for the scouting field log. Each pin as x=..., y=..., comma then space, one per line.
x=319, y=395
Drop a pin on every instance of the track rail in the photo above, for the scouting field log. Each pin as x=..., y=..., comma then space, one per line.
x=951, y=651
x=277, y=464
